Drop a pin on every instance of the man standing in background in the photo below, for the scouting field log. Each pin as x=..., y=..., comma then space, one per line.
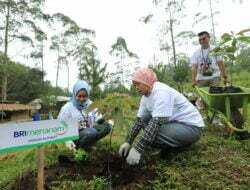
x=207, y=69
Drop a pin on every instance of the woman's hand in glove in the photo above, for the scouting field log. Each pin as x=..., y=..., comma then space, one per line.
x=70, y=145
x=133, y=157
x=124, y=149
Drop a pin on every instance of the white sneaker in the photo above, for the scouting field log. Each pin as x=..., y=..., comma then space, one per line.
x=111, y=122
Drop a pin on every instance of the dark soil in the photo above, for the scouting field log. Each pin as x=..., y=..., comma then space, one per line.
x=227, y=89
x=121, y=175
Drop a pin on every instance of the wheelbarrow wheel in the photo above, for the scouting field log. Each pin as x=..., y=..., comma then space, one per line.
x=237, y=118
x=237, y=121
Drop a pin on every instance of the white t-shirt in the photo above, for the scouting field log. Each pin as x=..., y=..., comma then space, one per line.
x=69, y=112
x=207, y=64
x=165, y=101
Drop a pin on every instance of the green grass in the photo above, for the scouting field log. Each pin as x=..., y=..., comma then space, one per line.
x=242, y=79
x=12, y=168
x=215, y=162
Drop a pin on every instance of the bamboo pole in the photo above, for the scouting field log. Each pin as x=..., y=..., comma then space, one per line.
x=40, y=168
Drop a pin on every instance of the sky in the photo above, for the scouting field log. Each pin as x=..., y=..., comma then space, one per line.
x=113, y=18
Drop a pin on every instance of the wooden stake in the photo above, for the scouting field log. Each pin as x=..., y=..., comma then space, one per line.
x=40, y=168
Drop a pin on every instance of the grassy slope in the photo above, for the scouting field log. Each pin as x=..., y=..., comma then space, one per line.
x=215, y=162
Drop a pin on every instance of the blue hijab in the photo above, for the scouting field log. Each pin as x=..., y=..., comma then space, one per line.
x=80, y=85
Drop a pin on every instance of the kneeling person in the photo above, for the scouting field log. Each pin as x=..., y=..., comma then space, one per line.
x=166, y=116
x=89, y=133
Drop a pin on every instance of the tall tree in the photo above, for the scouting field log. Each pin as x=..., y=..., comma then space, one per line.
x=93, y=72
x=125, y=60
x=71, y=42
x=38, y=53
x=83, y=49
x=169, y=32
x=58, y=44
x=173, y=10
x=18, y=18
x=212, y=14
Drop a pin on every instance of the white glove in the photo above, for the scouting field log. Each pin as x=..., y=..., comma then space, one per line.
x=124, y=148
x=111, y=123
x=133, y=157
x=70, y=145
x=98, y=116
x=94, y=116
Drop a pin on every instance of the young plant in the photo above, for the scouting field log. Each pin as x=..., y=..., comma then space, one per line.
x=230, y=46
x=80, y=155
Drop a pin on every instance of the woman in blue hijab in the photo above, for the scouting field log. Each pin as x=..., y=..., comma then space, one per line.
x=89, y=133
x=80, y=95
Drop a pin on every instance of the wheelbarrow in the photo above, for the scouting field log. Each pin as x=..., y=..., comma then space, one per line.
x=227, y=106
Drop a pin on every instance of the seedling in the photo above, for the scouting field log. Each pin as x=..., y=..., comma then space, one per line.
x=80, y=155
x=230, y=45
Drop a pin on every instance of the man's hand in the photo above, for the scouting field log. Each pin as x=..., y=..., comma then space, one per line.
x=133, y=157
x=194, y=75
x=226, y=81
x=124, y=148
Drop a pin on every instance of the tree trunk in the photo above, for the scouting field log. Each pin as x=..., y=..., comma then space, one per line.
x=212, y=18
x=168, y=56
x=58, y=67
x=5, y=75
x=173, y=42
x=42, y=59
x=92, y=61
x=172, y=32
x=80, y=68
x=122, y=68
x=68, y=76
